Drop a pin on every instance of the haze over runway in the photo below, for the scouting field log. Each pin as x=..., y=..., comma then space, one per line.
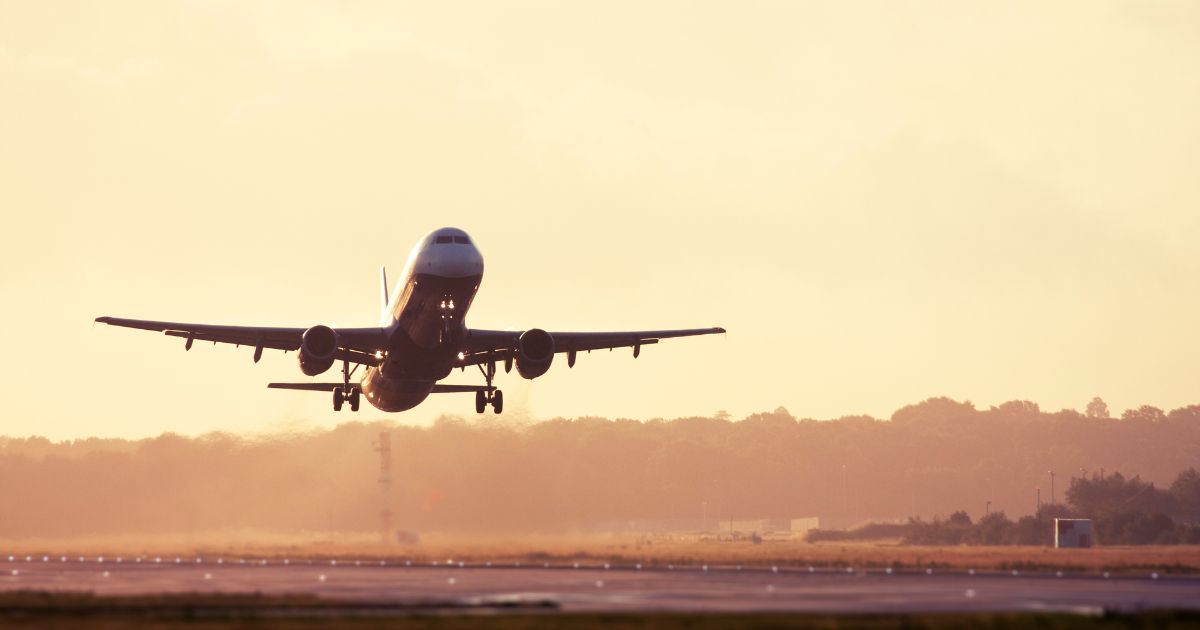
x=881, y=202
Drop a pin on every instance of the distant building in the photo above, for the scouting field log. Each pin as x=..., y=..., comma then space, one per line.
x=1073, y=532
x=805, y=525
x=775, y=525
x=743, y=527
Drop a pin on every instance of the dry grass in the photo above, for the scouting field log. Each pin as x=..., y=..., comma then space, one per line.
x=1169, y=559
x=659, y=550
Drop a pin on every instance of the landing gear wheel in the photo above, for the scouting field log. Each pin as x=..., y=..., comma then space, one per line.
x=339, y=397
x=490, y=395
x=354, y=397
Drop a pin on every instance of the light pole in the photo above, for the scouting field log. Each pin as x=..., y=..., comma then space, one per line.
x=1051, y=487
x=988, y=509
x=845, y=498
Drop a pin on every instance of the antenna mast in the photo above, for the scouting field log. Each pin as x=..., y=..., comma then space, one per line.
x=384, y=448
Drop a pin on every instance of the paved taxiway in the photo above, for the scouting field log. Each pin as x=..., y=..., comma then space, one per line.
x=594, y=587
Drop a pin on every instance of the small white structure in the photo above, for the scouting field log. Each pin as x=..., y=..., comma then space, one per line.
x=1073, y=532
x=804, y=525
x=773, y=525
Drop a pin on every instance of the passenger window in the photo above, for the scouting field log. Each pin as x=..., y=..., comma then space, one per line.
x=462, y=239
x=444, y=239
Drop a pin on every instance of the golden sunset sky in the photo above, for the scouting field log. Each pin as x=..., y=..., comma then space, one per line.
x=881, y=201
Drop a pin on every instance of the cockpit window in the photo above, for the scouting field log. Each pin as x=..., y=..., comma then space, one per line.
x=462, y=239
x=444, y=239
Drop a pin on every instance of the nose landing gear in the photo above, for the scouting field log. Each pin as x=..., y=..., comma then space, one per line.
x=449, y=323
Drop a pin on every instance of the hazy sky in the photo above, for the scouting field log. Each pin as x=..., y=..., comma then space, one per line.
x=882, y=201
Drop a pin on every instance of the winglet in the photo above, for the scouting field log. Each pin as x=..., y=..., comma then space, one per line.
x=383, y=287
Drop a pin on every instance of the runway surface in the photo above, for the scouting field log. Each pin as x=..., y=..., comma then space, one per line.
x=597, y=588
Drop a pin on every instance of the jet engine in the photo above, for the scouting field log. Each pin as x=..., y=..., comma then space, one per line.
x=318, y=345
x=535, y=352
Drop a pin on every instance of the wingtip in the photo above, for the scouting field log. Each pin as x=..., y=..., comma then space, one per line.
x=103, y=320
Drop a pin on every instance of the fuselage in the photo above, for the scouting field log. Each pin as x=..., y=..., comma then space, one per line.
x=425, y=320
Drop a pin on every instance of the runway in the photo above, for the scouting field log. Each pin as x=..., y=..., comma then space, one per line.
x=602, y=588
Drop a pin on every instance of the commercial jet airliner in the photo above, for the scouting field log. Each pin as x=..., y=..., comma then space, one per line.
x=422, y=338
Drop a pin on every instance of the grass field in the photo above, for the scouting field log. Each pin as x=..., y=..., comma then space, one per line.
x=682, y=550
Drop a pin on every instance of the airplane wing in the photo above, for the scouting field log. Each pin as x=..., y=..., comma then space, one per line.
x=356, y=345
x=491, y=345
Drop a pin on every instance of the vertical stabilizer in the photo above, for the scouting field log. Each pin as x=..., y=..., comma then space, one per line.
x=384, y=315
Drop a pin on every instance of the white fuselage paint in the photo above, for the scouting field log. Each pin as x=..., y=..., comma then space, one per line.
x=424, y=320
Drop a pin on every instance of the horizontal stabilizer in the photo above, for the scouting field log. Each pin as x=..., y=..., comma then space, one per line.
x=311, y=387
x=460, y=389
x=328, y=387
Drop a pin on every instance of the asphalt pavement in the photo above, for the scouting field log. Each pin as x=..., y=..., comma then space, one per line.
x=602, y=588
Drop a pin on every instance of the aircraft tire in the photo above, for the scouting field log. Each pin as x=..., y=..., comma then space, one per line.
x=338, y=398
x=498, y=402
x=480, y=402
x=354, y=399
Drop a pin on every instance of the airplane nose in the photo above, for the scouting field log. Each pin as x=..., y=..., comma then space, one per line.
x=456, y=261
x=461, y=267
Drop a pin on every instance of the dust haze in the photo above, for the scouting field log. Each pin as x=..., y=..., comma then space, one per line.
x=563, y=477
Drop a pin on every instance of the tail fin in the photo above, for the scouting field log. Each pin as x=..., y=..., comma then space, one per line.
x=383, y=287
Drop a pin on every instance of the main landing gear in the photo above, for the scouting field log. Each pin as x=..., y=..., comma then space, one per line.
x=495, y=398
x=341, y=396
x=492, y=396
x=347, y=393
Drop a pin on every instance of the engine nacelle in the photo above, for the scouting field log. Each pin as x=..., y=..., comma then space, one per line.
x=535, y=352
x=318, y=345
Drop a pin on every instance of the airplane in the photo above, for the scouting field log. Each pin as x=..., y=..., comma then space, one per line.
x=422, y=337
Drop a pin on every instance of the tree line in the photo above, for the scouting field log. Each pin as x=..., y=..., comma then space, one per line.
x=1124, y=511
x=490, y=475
